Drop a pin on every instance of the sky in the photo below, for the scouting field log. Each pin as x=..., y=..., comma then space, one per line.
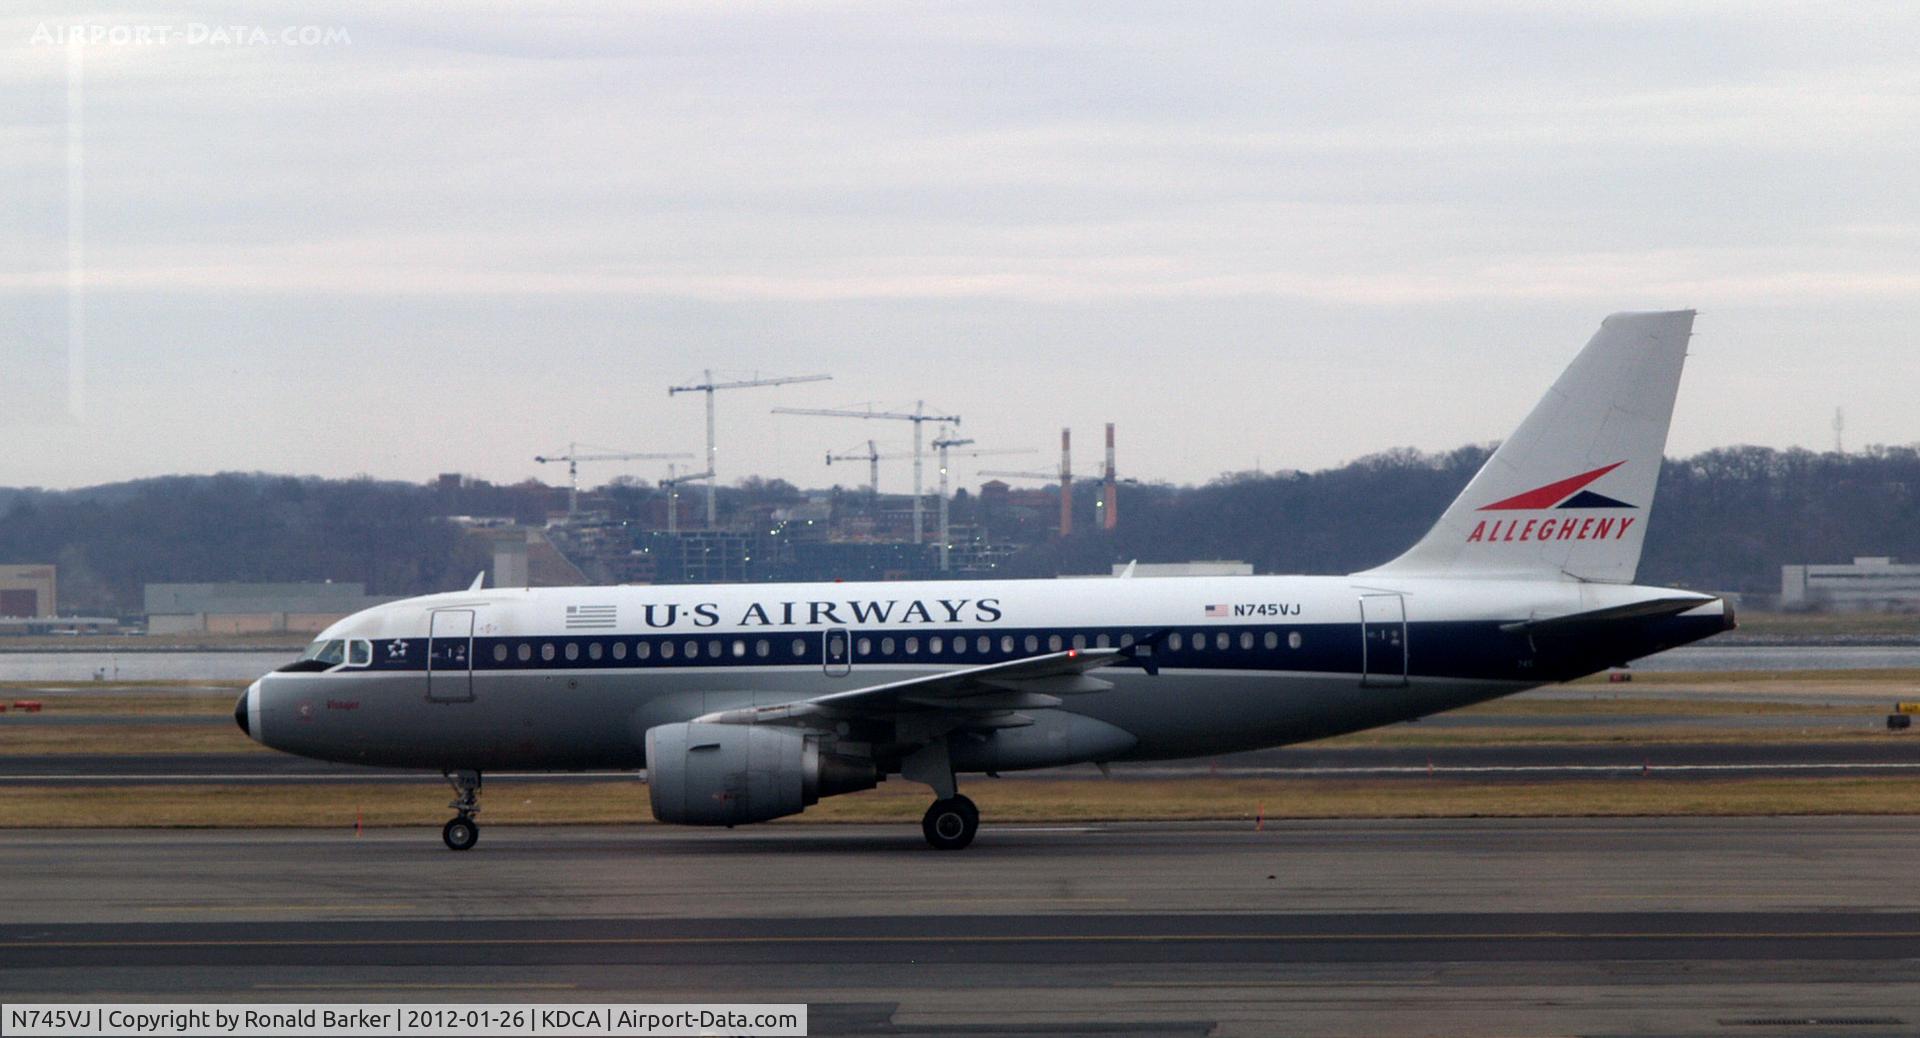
x=401, y=240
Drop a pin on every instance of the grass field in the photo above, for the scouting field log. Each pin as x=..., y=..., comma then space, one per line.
x=1003, y=800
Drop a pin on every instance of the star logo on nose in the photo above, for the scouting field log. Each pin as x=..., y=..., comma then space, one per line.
x=396, y=649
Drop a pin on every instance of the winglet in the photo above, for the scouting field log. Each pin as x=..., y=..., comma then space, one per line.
x=1128, y=572
x=479, y=581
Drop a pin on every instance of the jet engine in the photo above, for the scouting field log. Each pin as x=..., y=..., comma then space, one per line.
x=732, y=774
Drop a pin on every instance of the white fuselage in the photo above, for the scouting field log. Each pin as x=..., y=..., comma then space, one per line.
x=572, y=678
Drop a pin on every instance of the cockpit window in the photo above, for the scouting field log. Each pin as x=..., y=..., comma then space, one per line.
x=359, y=652
x=321, y=655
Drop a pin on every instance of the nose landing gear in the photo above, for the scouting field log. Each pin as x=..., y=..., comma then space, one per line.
x=462, y=832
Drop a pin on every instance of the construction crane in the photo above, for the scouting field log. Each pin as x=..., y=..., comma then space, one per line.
x=919, y=417
x=945, y=444
x=671, y=485
x=872, y=458
x=573, y=458
x=707, y=385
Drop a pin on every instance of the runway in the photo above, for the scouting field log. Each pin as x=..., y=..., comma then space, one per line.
x=1447, y=927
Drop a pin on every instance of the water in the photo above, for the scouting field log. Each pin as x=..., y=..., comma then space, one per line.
x=141, y=666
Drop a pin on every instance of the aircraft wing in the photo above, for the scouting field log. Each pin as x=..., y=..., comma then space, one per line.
x=1030, y=683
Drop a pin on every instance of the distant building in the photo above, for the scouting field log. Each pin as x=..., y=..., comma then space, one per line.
x=28, y=591
x=252, y=608
x=1871, y=583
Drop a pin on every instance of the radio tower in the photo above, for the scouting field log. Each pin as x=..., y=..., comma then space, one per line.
x=1839, y=426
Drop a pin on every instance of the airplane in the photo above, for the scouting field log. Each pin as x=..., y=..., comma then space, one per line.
x=745, y=703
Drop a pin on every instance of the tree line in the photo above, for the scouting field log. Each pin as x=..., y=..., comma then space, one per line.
x=1724, y=520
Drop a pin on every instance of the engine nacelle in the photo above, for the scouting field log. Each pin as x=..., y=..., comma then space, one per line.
x=732, y=774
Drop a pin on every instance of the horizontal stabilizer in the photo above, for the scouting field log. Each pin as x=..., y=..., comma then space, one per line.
x=1577, y=623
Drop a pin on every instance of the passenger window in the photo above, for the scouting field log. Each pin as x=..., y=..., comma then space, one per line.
x=713, y=648
x=525, y=651
x=935, y=644
x=619, y=650
x=761, y=648
x=1053, y=643
x=666, y=650
x=740, y=648
x=800, y=648
x=1079, y=641
x=642, y=650
x=594, y=650
x=1246, y=639
x=1293, y=640
x=865, y=646
x=546, y=650
x=692, y=649
x=1033, y=643
x=1103, y=642
x=1222, y=641
x=1271, y=640
x=1006, y=643
x=886, y=646
x=1126, y=641
x=913, y=646
x=573, y=650
x=984, y=645
x=1175, y=642
x=500, y=653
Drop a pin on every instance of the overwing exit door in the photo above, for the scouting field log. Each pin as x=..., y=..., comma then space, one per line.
x=1383, y=641
x=450, y=656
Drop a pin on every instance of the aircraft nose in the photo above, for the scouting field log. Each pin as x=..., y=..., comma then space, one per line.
x=243, y=709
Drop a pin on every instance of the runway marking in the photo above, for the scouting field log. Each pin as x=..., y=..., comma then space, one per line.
x=534, y=942
x=247, y=906
x=271, y=778
x=504, y=985
x=996, y=900
x=1523, y=769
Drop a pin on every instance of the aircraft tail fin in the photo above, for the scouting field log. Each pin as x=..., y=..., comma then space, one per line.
x=1568, y=495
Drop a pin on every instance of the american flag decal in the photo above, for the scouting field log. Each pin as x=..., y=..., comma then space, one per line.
x=1216, y=611
x=590, y=617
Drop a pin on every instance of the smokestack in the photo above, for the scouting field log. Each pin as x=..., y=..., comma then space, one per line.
x=1066, y=482
x=1112, y=500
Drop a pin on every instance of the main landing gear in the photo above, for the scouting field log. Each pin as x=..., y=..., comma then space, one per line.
x=950, y=823
x=462, y=832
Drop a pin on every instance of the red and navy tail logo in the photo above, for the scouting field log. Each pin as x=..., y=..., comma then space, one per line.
x=1571, y=492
